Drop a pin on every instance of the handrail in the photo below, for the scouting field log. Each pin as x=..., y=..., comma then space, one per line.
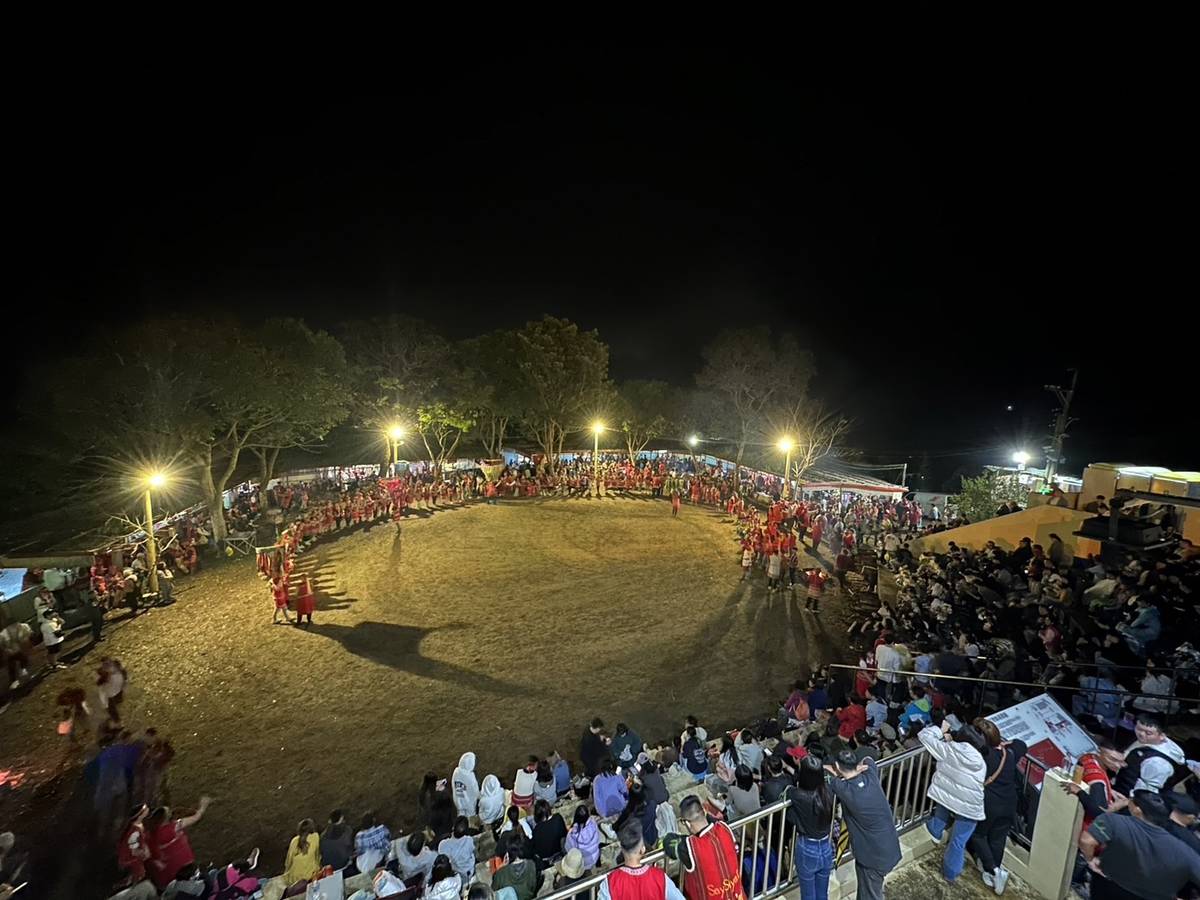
x=905, y=780
x=1030, y=684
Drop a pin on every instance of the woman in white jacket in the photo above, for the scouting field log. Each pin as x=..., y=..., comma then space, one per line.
x=956, y=789
x=491, y=802
x=465, y=786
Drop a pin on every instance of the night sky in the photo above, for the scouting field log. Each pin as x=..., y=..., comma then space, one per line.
x=946, y=243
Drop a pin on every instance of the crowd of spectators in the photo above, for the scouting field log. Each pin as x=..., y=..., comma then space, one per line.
x=1092, y=635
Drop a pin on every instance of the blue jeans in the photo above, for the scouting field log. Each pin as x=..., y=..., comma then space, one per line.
x=960, y=833
x=814, y=861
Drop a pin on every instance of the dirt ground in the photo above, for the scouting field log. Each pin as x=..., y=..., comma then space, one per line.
x=500, y=630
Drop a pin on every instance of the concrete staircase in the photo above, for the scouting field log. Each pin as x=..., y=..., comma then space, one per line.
x=913, y=845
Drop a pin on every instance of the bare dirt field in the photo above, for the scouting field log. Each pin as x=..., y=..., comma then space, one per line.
x=499, y=629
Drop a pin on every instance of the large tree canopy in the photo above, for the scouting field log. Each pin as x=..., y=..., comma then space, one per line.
x=195, y=395
x=758, y=376
x=210, y=397
x=645, y=411
x=564, y=381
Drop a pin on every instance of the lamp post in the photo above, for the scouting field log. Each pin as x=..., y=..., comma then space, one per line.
x=396, y=433
x=1020, y=458
x=153, y=480
x=597, y=428
x=785, y=444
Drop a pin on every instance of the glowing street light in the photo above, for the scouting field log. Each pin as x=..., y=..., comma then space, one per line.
x=786, y=445
x=1020, y=458
x=396, y=433
x=153, y=480
x=597, y=429
x=693, y=440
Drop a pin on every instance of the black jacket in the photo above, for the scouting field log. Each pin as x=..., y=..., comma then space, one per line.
x=1000, y=782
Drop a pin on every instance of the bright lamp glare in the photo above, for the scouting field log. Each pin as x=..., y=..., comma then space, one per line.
x=597, y=427
x=396, y=433
x=693, y=440
x=785, y=444
x=156, y=479
x=1020, y=457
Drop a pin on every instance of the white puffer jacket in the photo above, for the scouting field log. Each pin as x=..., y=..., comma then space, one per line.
x=958, y=780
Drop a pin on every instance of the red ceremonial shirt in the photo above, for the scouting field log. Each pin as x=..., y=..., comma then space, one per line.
x=715, y=873
x=643, y=883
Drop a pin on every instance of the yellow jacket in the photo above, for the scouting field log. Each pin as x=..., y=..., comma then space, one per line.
x=302, y=866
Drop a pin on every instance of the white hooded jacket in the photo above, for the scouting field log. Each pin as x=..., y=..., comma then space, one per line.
x=958, y=780
x=491, y=800
x=465, y=785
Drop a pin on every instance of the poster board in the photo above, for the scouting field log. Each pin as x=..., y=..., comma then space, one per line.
x=1048, y=730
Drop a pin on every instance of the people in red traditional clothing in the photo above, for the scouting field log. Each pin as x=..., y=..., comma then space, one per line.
x=674, y=504
x=707, y=853
x=279, y=592
x=306, y=601
x=170, y=849
x=633, y=880
x=816, y=587
x=132, y=850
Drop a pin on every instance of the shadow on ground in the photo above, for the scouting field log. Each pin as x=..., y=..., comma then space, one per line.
x=399, y=647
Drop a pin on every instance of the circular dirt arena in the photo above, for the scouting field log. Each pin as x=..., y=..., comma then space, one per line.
x=497, y=629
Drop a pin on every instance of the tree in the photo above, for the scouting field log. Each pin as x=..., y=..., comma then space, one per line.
x=563, y=381
x=645, y=412
x=311, y=367
x=814, y=433
x=442, y=425
x=195, y=392
x=494, y=386
x=979, y=497
x=750, y=372
x=397, y=363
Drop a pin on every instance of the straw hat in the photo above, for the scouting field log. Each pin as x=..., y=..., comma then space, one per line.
x=571, y=865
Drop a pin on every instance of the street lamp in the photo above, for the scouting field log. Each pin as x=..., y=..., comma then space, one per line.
x=597, y=428
x=1020, y=458
x=786, y=445
x=396, y=433
x=693, y=440
x=153, y=480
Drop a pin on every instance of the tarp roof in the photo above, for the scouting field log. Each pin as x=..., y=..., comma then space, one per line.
x=831, y=476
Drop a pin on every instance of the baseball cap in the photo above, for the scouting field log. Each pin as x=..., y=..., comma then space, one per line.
x=1182, y=803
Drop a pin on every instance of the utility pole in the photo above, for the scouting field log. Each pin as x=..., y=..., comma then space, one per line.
x=1062, y=421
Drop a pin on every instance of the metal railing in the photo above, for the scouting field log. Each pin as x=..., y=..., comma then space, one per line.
x=987, y=692
x=764, y=838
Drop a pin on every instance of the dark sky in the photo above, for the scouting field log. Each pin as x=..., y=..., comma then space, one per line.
x=946, y=242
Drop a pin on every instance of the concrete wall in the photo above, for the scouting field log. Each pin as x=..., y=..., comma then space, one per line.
x=1037, y=523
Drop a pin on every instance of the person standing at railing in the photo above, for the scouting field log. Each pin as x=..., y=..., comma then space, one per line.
x=811, y=815
x=870, y=821
x=957, y=790
x=633, y=880
x=999, y=804
x=707, y=854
